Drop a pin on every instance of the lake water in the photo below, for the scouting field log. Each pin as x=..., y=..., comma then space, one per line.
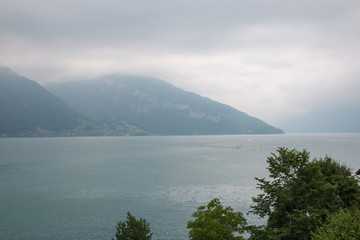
x=79, y=188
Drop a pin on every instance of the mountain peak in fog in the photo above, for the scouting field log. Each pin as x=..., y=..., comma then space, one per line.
x=155, y=106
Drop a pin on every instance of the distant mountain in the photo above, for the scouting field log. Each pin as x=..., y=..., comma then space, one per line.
x=332, y=119
x=27, y=109
x=156, y=107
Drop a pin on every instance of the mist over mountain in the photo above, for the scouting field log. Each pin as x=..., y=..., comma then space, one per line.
x=155, y=106
x=28, y=109
x=333, y=119
x=114, y=105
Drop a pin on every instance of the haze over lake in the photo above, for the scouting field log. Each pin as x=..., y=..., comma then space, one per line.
x=78, y=188
x=145, y=106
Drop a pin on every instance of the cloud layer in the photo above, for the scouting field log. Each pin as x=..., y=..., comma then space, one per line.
x=271, y=59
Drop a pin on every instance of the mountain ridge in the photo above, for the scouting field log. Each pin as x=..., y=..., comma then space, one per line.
x=114, y=105
x=27, y=108
x=156, y=106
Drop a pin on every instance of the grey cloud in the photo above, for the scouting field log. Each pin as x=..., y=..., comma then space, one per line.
x=179, y=23
x=270, y=58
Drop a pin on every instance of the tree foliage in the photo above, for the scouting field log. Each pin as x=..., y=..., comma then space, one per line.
x=133, y=229
x=300, y=194
x=214, y=222
x=343, y=225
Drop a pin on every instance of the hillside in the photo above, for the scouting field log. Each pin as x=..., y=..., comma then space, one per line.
x=155, y=106
x=28, y=109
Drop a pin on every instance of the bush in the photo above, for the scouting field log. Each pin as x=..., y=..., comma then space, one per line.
x=133, y=229
x=344, y=225
x=214, y=222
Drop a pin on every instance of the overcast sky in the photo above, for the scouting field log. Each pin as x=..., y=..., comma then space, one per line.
x=270, y=59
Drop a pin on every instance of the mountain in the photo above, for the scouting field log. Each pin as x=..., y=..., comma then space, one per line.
x=332, y=119
x=28, y=109
x=155, y=106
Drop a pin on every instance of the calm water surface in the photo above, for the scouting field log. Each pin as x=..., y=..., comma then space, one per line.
x=78, y=188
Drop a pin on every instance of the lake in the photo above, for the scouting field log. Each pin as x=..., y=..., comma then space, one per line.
x=80, y=187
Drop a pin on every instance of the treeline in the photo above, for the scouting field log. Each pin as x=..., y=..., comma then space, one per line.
x=301, y=200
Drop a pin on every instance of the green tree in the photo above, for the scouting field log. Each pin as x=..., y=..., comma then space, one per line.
x=343, y=225
x=214, y=222
x=300, y=194
x=133, y=229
